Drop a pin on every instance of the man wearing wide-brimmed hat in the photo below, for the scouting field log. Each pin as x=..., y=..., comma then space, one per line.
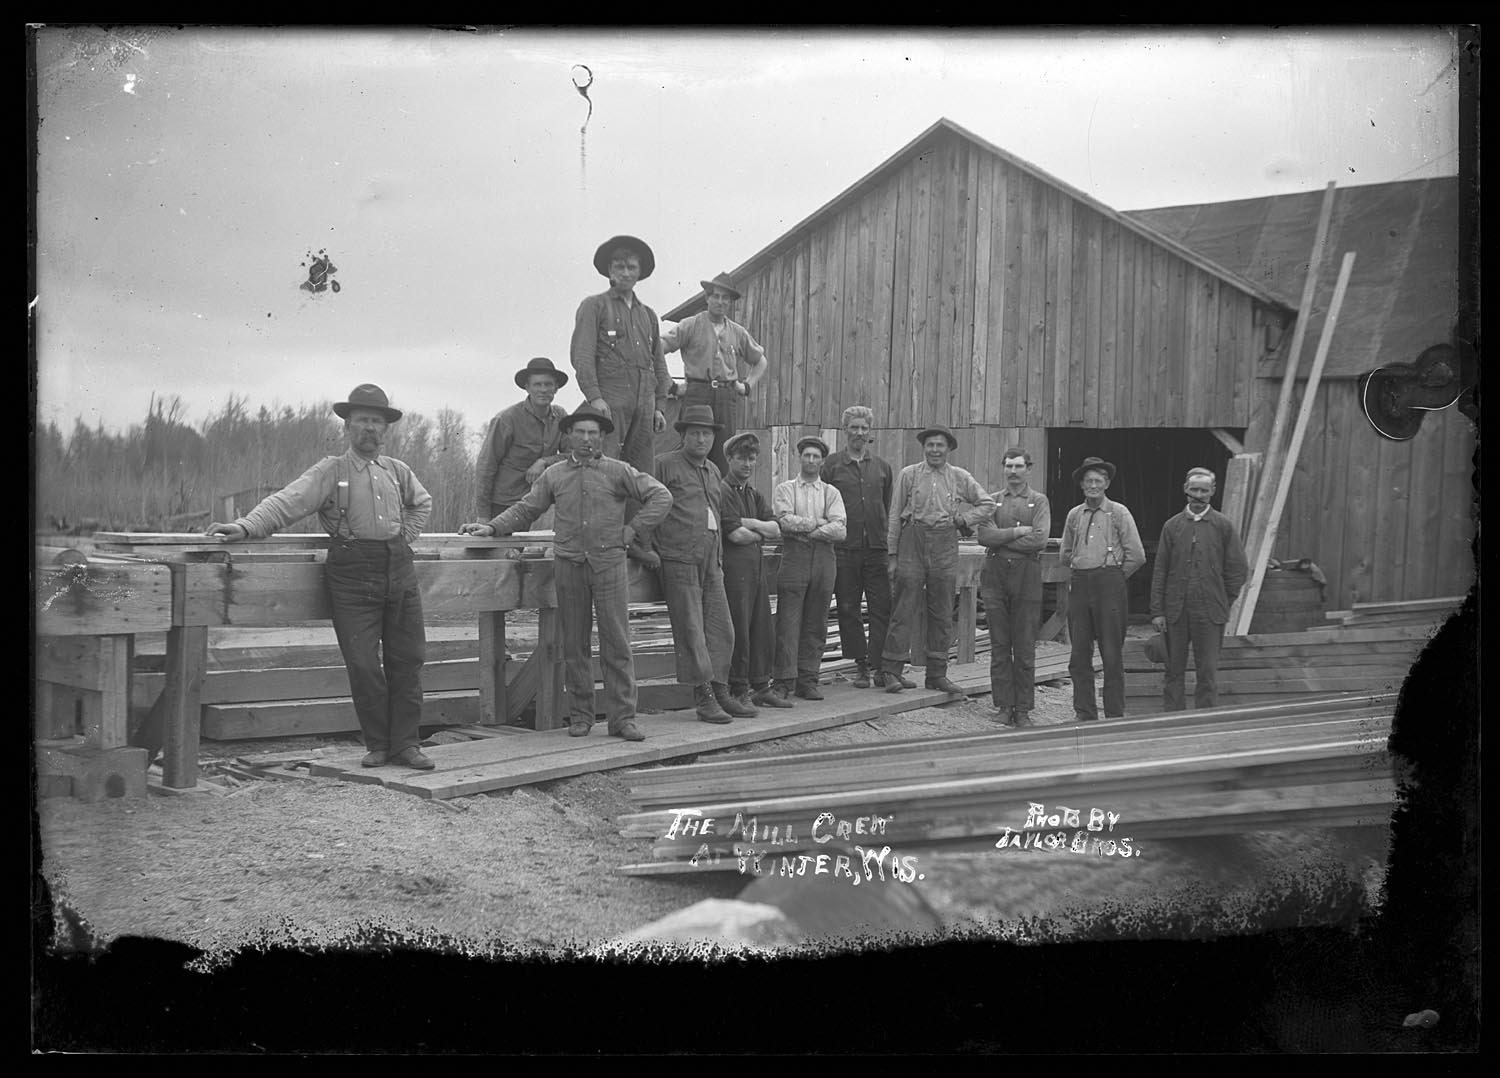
x=689, y=544
x=720, y=360
x=1102, y=547
x=812, y=518
x=590, y=494
x=373, y=509
x=616, y=351
x=521, y=441
x=932, y=498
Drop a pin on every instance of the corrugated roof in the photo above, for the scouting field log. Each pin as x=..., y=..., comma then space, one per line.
x=1403, y=294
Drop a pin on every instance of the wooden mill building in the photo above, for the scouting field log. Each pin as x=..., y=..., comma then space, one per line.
x=958, y=284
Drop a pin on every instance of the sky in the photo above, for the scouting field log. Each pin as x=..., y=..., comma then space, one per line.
x=185, y=177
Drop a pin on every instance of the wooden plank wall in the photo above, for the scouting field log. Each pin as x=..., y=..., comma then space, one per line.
x=958, y=289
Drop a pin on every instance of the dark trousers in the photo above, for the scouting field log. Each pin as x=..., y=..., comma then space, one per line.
x=725, y=403
x=803, y=588
x=377, y=616
x=861, y=575
x=1206, y=638
x=750, y=613
x=585, y=594
x=1098, y=611
x=699, y=612
x=1011, y=588
x=926, y=575
x=630, y=393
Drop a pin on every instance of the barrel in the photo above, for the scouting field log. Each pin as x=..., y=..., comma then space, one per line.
x=1291, y=601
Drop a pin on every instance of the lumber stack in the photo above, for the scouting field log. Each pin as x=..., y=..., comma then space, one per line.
x=1425, y=614
x=1317, y=762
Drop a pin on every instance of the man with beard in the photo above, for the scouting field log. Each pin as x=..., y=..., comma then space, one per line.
x=522, y=441
x=864, y=481
x=748, y=522
x=1200, y=568
x=373, y=508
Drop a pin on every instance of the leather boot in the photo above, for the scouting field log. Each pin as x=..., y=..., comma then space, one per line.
x=861, y=675
x=731, y=704
x=770, y=696
x=939, y=680
x=807, y=688
x=708, y=707
x=1020, y=718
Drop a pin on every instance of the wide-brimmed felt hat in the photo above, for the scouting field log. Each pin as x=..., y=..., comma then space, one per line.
x=812, y=440
x=944, y=431
x=740, y=438
x=1093, y=464
x=583, y=411
x=721, y=281
x=697, y=415
x=601, y=256
x=1156, y=649
x=539, y=365
x=367, y=396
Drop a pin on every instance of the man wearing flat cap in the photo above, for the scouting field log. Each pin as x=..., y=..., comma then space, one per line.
x=720, y=360
x=373, y=509
x=812, y=519
x=590, y=494
x=1102, y=547
x=1200, y=568
x=932, y=498
x=748, y=523
x=616, y=352
x=690, y=547
x=521, y=442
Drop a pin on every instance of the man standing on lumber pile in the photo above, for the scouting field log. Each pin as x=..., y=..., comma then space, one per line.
x=521, y=442
x=1011, y=587
x=812, y=519
x=1200, y=568
x=692, y=567
x=616, y=350
x=927, y=508
x=748, y=522
x=590, y=493
x=373, y=509
x=864, y=481
x=1102, y=547
x=714, y=349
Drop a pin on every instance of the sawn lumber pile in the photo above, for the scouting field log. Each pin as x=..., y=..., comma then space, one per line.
x=1315, y=762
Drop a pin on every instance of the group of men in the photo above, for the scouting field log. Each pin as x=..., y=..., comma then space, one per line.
x=850, y=528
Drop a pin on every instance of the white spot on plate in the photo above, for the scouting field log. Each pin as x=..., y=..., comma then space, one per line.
x=129, y=86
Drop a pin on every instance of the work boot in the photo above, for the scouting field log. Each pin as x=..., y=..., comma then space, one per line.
x=807, y=688
x=878, y=679
x=708, y=707
x=861, y=675
x=374, y=758
x=628, y=731
x=413, y=757
x=942, y=684
x=1018, y=717
x=579, y=728
x=770, y=696
x=731, y=703
x=894, y=682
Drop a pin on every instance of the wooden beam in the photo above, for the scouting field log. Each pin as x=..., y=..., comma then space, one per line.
x=492, y=688
x=187, y=655
x=1228, y=441
x=1239, y=480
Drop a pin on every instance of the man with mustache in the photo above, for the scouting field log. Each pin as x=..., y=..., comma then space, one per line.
x=373, y=509
x=522, y=441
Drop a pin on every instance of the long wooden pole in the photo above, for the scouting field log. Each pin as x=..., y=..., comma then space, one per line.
x=1284, y=481
x=1259, y=539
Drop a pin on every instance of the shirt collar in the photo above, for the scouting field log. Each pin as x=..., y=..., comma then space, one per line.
x=816, y=481
x=359, y=463
x=586, y=462
x=1104, y=503
x=1197, y=516
x=1026, y=492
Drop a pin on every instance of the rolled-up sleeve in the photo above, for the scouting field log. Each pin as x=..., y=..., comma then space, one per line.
x=299, y=498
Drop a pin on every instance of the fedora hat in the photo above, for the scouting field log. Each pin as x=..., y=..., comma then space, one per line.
x=944, y=431
x=367, y=396
x=583, y=411
x=812, y=440
x=743, y=437
x=1093, y=464
x=721, y=281
x=601, y=256
x=539, y=365
x=697, y=415
x=1156, y=649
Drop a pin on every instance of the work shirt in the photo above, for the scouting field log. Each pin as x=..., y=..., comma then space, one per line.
x=610, y=336
x=809, y=510
x=590, y=497
x=739, y=502
x=932, y=496
x=384, y=500
x=1028, y=509
x=692, y=527
x=710, y=352
x=865, y=485
x=1200, y=567
x=517, y=439
x=1096, y=538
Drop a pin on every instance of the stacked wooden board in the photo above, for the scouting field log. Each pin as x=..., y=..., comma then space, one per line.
x=1412, y=613
x=1317, y=762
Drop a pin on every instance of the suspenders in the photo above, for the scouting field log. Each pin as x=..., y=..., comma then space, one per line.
x=341, y=499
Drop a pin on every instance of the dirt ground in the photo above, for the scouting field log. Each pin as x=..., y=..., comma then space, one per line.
x=308, y=862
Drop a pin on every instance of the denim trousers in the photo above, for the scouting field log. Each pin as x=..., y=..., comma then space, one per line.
x=584, y=593
x=926, y=575
x=630, y=393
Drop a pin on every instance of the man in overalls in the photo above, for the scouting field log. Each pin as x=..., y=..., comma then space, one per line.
x=373, y=509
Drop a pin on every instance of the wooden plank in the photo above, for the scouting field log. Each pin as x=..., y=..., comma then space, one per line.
x=1153, y=412
x=966, y=623
x=1118, y=406
x=918, y=327
x=859, y=310
x=1456, y=528
x=102, y=599
x=983, y=304
x=801, y=316
x=1391, y=509
x=1330, y=512
x=493, y=705
x=1176, y=372
x=551, y=701
x=1004, y=391
x=1077, y=357
x=902, y=354
x=966, y=300
x=1424, y=515
x=935, y=396
x=1196, y=369
x=180, y=712
x=1097, y=272
x=1059, y=304
x=885, y=299
x=1218, y=384
x=1304, y=497
x=289, y=718
x=831, y=380
x=1239, y=480
x=1103, y=409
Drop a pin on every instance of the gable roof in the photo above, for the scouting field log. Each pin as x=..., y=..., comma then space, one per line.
x=943, y=128
x=1403, y=292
